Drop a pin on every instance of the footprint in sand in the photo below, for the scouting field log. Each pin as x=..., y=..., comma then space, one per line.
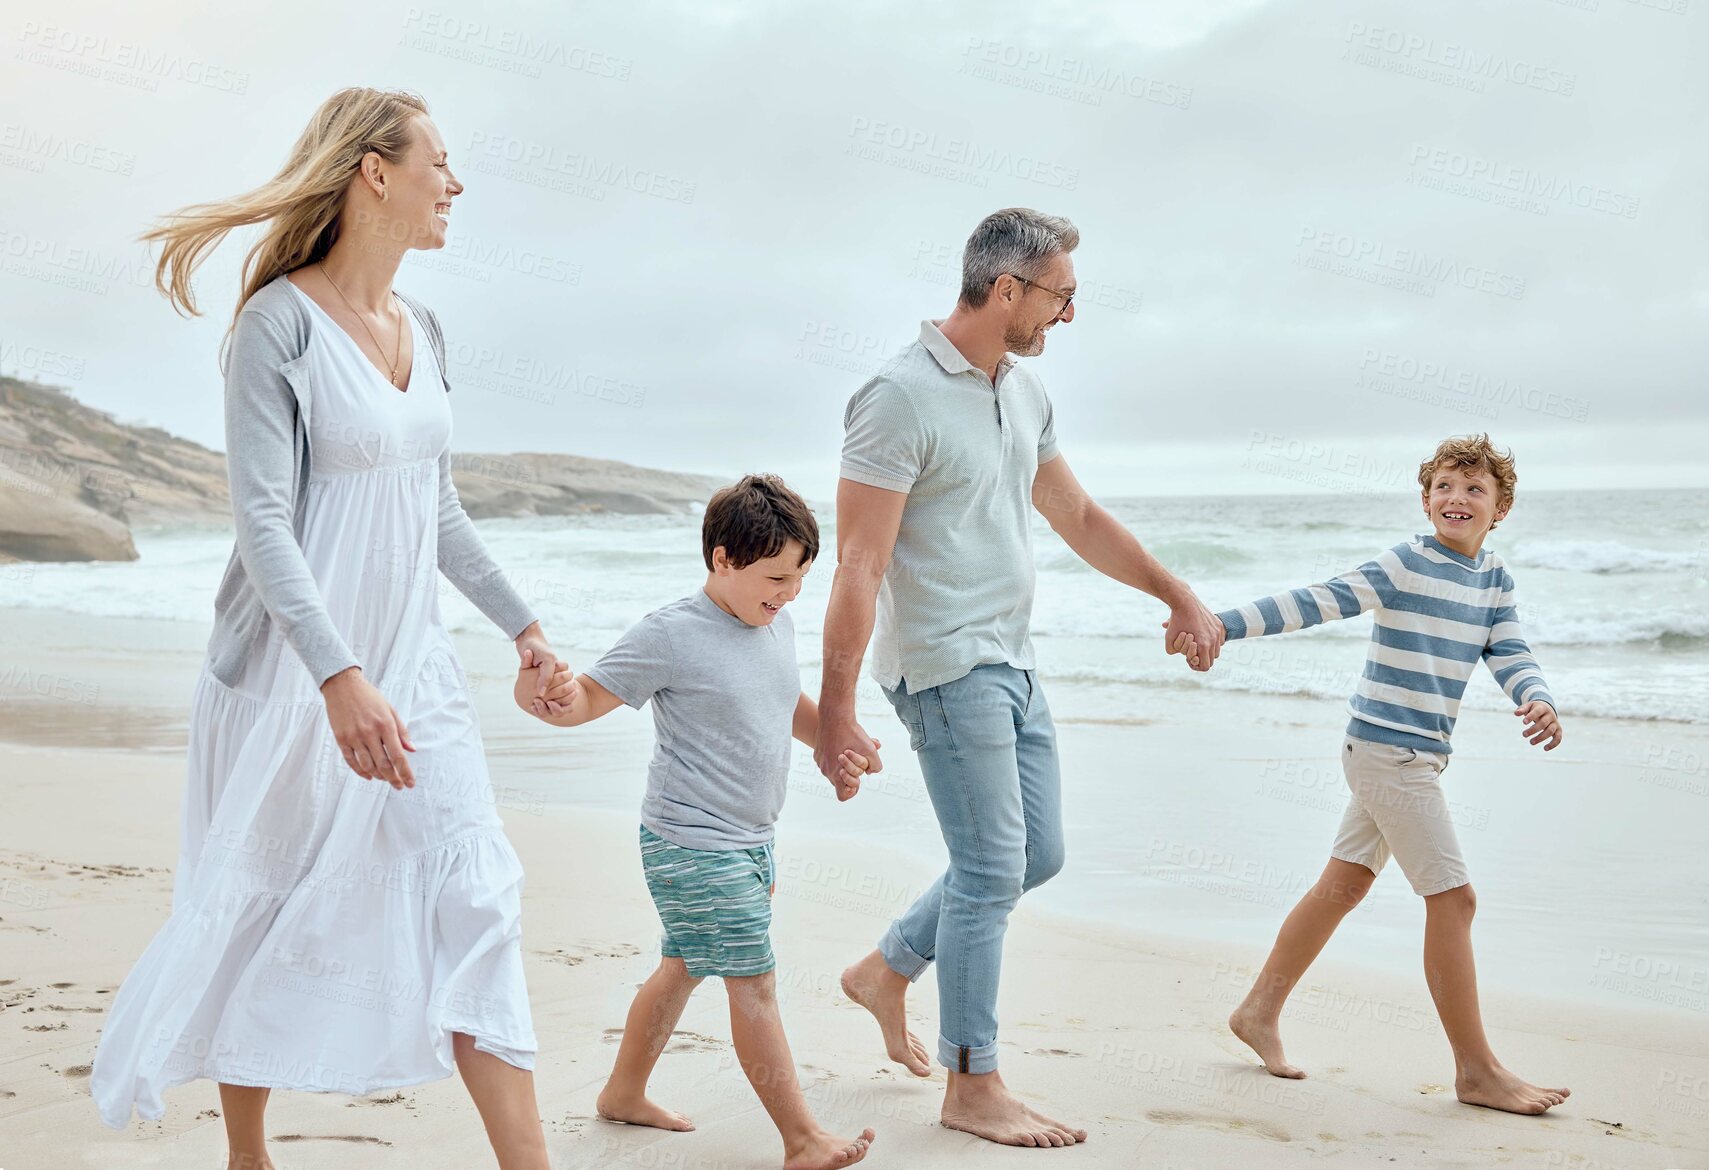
x=1211, y=1121
x=558, y=955
x=679, y=1042
x=1053, y=1052
x=106, y=872
x=389, y=1099
x=78, y=1070
x=359, y=1139
x=693, y=1042
x=1429, y=1089
x=574, y=957
x=61, y=986
x=59, y=1027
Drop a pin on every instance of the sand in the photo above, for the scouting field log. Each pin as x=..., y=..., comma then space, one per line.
x=1110, y=1028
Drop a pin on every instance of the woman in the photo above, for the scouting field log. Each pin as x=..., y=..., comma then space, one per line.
x=329, y=932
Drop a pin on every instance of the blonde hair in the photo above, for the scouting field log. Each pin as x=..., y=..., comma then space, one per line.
x=302, y=203
x=1473, y=451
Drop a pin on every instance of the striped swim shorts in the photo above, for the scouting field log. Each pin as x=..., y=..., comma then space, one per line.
x=715, y=905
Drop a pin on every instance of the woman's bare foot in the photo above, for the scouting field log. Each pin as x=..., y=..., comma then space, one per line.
x=980, y=1104
x=825, y=1151
x=1496, y=1088
x=1261, y=1034
x=248, y=1162
x=642, y=1110
x=881, y=991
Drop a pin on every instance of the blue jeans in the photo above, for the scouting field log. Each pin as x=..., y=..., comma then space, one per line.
x=987, y=749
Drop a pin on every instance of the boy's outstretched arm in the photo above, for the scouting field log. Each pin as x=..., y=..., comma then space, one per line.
x=1510, y=660
x=851, y=765
x=1352, y=593
x=571, y=699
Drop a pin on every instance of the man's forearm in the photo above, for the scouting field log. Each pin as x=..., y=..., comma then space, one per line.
x=848, y=628
x=1102, y=542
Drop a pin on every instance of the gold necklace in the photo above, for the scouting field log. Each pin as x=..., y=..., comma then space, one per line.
x=397, y=352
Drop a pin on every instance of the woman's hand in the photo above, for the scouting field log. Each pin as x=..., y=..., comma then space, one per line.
x=536, y=655
x=369, y=733
x=560, y=697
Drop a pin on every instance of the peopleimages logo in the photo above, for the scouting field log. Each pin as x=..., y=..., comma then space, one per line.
x=145, y=64
x=544, y=165
x=1467, y=384
x=1524, y=182
x=51, y=146
x=869, y=139
x=1430, y=59
x=487, y=44
x=1072, y=78
x=1348, y=254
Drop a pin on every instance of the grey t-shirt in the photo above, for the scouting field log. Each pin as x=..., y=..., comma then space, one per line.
x=724, y=695
x=959, y=589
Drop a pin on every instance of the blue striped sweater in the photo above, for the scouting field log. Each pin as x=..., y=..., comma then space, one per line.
x=1437, y=613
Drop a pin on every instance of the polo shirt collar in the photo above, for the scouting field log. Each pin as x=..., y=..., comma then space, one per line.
x=949, y=357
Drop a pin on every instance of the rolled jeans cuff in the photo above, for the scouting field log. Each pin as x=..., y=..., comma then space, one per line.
x=901, y=957
x=982, y=1059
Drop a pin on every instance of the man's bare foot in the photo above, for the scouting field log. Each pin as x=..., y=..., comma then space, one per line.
x=642, y=1110
x=980, y=1104
x=881, y=991
x=1496, y=1088
x=825, y=1151
x=1263, y=1036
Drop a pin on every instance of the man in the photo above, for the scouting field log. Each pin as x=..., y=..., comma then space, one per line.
x=944, y=450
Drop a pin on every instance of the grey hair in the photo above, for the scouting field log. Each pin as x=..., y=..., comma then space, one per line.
x=1016, y=240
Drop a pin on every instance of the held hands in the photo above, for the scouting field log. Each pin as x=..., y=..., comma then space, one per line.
x=536, y=655
x=1541, y=723
x=851, y=766
x=843, y=751
x=1198, y=641
x=559, y=696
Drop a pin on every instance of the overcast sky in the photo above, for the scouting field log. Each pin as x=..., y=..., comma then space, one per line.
x=1316, y=237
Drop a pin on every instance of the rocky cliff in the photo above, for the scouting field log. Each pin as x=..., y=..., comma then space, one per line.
x=74, y=480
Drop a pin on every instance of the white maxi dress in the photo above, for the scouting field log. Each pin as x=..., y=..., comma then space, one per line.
x=330, y=933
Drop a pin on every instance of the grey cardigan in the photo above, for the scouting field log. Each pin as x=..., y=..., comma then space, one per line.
x=267, y=408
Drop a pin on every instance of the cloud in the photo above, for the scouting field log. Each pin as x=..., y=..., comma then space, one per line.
x=688, y=238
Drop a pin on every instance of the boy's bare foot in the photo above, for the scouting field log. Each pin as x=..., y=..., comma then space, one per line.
x=826, y=1151
x=881, y=991
x=1496, y=1088
x=983, y=1106
x=642, y=1110
x=1263, y=1036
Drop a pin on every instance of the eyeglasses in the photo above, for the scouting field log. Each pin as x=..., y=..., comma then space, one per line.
x=1067, y=297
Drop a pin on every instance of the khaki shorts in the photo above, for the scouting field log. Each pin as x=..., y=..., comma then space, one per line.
x=1397, y=809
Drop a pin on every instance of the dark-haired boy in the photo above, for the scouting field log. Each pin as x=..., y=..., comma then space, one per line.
x=719, y=668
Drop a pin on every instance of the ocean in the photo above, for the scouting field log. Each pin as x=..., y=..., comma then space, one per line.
x=1589, y=862
x=1613, y=589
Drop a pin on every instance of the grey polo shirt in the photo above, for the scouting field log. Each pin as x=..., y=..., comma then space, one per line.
x=959, y=588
